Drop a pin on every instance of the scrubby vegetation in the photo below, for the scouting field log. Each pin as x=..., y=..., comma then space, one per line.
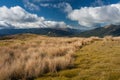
x=29, y=57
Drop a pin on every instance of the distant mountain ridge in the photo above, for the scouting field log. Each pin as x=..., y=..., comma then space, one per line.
x=110, y=30
x=41, y=31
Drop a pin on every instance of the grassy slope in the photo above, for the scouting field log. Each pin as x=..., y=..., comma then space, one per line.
x=27, y=56
x=97, y=61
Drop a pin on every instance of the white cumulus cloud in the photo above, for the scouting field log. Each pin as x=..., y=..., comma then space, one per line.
x=66, y=7
x=30, y=5
x=92, y=16
x=17, y=17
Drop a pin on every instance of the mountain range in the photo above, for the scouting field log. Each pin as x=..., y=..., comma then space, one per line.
x=110, y=30
x=41, y=31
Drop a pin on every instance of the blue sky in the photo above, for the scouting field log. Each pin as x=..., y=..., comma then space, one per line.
x=60, y=10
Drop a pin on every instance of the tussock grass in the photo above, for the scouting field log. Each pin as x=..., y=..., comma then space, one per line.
x=100, y=60
x=29, y=56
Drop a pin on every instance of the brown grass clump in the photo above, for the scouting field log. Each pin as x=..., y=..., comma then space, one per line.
x=108, y=38
x=33, y=56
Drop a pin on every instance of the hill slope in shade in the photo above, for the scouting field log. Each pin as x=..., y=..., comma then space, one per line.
x=113, y=30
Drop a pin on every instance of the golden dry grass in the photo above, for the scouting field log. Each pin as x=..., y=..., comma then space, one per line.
x=100, y=60
x=29, y=56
